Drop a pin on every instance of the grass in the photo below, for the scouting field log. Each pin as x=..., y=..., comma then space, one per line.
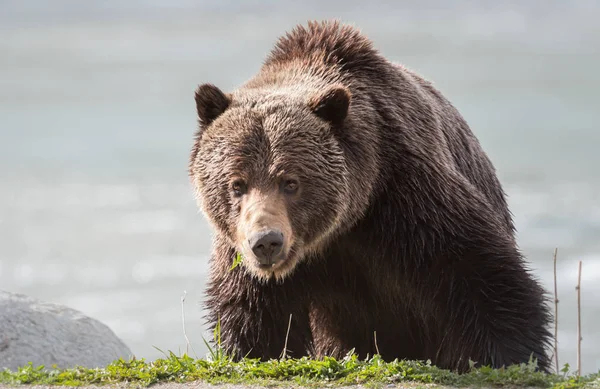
x=328, y=372
x=237, y=261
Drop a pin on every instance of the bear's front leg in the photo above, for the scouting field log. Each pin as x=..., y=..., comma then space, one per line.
x=337, y=331
x=483, y=303
x=342, y=307
x=493, y=311
x=254, y=315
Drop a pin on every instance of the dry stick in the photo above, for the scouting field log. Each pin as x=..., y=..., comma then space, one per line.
x=555, y=312
x=579, y=321
x=376, y=346
x=286, y=338
x=188, y=345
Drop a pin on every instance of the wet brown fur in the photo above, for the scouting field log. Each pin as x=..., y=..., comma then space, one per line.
x=404, y=229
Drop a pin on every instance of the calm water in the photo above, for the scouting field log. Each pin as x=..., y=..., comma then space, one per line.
x=97, y=117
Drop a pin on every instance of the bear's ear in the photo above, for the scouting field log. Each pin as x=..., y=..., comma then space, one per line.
x=211, y=102
x=331, y=105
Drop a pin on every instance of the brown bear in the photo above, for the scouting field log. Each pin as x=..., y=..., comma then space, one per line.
x=365, y=211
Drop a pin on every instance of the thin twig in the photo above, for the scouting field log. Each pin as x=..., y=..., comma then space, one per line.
x=376, y=346
x=552, y=356
x=555, y=312
x=286, y=338
x=188, y=344
x=579, y=338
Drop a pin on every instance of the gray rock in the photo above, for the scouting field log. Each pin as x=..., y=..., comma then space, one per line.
x=48, y=334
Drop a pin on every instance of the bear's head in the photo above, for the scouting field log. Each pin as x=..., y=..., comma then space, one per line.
x=270, y=172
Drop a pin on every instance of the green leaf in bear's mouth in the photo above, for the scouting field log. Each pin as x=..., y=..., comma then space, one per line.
x=236, y=262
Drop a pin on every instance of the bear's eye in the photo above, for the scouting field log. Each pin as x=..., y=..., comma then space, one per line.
x=239, y=187
x=290, y=187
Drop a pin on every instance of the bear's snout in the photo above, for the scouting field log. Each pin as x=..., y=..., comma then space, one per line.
x=267, y=246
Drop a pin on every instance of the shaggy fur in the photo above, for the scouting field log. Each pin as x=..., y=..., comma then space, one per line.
x=400, y=226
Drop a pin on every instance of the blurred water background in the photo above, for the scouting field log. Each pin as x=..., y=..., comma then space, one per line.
x=97, y=117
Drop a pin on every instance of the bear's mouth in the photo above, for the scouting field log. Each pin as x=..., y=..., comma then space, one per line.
x=273, y=263
x=279, y=268
x=266, y=266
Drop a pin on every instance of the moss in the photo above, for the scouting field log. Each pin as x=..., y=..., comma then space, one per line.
x=308, y=372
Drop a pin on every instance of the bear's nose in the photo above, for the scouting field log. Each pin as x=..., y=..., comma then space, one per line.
x=266, y=245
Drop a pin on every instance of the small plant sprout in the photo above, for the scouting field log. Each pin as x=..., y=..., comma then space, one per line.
x=237, y=261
